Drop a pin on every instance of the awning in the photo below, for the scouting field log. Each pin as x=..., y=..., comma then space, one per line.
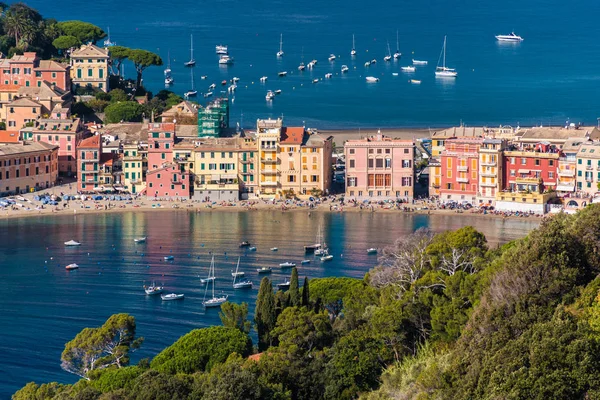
x=523, y=171
x=565, y=188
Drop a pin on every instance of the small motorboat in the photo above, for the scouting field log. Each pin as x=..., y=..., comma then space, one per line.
x=215, y=301
x=287, y=264
x=72, y=266
x=284, y=285
x=263, y=78
x=409, y=68
x=225, y=60
x=203, y=77
x=315, y=81
x=320, y=252
x=328, y=75
x=153, y=289
x=344, y=69
x=206, y=280
x=169, y=80
x=140, y=240
x=327, y=257
x=245, y=284
x=282, y=73
x=301, y=67
x=264, y=270
x=372, y=79
x=419, y=62
x=252, y=248
x=169, y=258
x=274, y=249
x=312, y=248
x=372, y=250
x=310, y=65
x=221, y=49
x=223, y=82
x=232, y=88
x=212, y=86
x=270, y=95
x=171, y=296
x=72, y=243
x=374, y=61
x=368, y=64
x=415, y=81
x=235, y=79
x=245, y=243
x=394, y=74
x=192, y=93
x=208, y=94
x=305, y=262
x=331, y=57
x=278, y=91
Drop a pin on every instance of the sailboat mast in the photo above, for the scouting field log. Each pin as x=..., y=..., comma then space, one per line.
x=213, y=275
x=397, y=42
x=281, y=42
x=191, y=47
x=444, y=52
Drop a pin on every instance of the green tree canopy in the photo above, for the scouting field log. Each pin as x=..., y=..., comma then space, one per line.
x=65, y=42
x=293, y=292
x=143, y=59
x=235, y=316
x=264, y=314
x=202, y=349
x=118, y=54
x=126, y=111
x=84, y=31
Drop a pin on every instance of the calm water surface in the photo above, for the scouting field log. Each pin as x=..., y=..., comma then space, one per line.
x=42, y=306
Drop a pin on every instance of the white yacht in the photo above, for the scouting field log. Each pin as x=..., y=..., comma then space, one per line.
x=344, y=69
x=368, y=64
x=264, y=270
x=270, y=95
x=243, y=284
x=71, y=267
x=388, y=57
x=397, y=54
x=107, y=42
x=280, y=52
x=169, y=80
x=171, y=296
x=287, y=264
x=353, y=51
x=331, y=57
x=140, y=239
x=328, y=75
x=509, y=38
x=192, y=62
x=153, y=289
x=263, y=79
x=443, y=71
x=284, y=285
x=282, y=74
x=214, y=301
x=225, y=60
x=372, y=250
x=72, y=243
x=372, y=79
x=221, y=49
x=419, y=62
x=409, y=68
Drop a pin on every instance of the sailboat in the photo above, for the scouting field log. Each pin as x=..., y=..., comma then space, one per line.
x=443, y=71
x=280, y=52
x=192, y=92
x=388, y=57
x=107, y=42
x=192, y=62
x=353, y=51
x=242, y=284
x=397, y=54
x=168, y=77
x=301, y=67
x=313, y=247
x=213, y=301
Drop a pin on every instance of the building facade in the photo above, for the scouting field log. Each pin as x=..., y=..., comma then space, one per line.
x=490, y=170
x=89, y=153
x=588, y=168
x=214, y=118
x=89, y=67
x=531, y=169
x=135, y=165
x=27, y=70
x=379, y=167
x=27, y=166
x=460, y=164
x=66, y=134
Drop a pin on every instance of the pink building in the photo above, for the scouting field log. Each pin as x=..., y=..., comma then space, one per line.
x=89, y=152
x=65, y=133
x=460, y=170
x=379, y=168
x=28, y=70
x=164, y=177
x=27, y=166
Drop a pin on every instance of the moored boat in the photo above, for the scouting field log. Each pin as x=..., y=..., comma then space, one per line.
x=168, y=258
x=225, y=60
x=287, y=264
x=245, y=243
x=282, y=73
x=509, y=38
x=331, y=57
x=264, y=270
x=372, y=79
x=327, y=257
x=274, y=249
x=270, y=95
x=328, y=75
x=280, y=52
x=419, y=62
x=344, y=69
x=303, y=262
x=221, y=49
x=415, y=81
x=408, y=68
x=140, y=239
x=372, y=250
x=252, y=248
x=153, y=289
x=443, y=71
x=72, y=243
x=71, y=267
x=244, y=284
x=214, y=301
x=192, y=61
x=171, y=296
x=284, y=285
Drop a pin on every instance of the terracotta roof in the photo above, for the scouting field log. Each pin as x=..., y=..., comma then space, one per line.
x=90, y=143
x=9, y=137
x=24, y=102
x=89, y=50
x=460, y=131
x=9, y=88
x=255, y=357
x=107, y=159
x=30, y=147
x=184, y=108
x=51, y=65
x=292, y=135
x=27, y=57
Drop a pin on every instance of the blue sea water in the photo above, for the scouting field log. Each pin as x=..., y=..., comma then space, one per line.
x=43, y=306
x=550, y=77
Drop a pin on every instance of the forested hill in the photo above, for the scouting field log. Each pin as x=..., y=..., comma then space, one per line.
x=442, y=317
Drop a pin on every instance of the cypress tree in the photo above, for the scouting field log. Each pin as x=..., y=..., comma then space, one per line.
x=294, y=299
x=264, y=316
x=305, y=293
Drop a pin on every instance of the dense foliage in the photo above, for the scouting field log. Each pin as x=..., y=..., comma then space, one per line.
x=442, y=317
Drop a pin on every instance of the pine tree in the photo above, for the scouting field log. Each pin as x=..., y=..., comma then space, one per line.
x=294, y=299
x=305, y=293
x=264, y=316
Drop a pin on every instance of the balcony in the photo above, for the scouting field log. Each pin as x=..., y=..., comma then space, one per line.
x=89, y=160
x=489, y=174
x=463, y=168
x=589, y=168
x=435, y=185
x=566, y=172
x=91, y=179
x=136, y=181
x=589, y=179
x=462, y=180
x=250, y=172
x=268, y=147
x=488, y=184
x=489, y=163
x=248, y=161
x=269, y=183
x=269, y=172
x=269, y=160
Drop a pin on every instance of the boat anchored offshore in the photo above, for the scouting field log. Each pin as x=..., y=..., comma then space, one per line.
x=244, y=284
x=303, y=262
x=509, y=38
x=419, y=62
x=140, y=240
x=344, y=69
x=270, y=95
x=264, y=270
x=443, y=71
x=388, y=57
x=332, y=57
x=327, y=257
x=397, y=54
x=214, y=301
x=72, y=243
x=409, y=68
x=287, y=264
x=169, y=258
x=192, y=62
x=153, y=289
x=353, y=51
x=245, y=243
x=225, y=60
x=415, y=81
x=71, y=267
x=221, y=49
x=372, y=79
x=280, y=52
x=372, y=250
x=284, y=285
x=171, y=296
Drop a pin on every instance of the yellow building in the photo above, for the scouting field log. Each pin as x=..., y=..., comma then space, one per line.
x=89, y=67
x=490, y=170
x=134, y=164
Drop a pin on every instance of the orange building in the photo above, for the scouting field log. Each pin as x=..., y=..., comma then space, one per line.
x=460, y=170
x=26, y=166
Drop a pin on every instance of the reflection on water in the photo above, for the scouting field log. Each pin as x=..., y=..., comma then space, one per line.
x=42, y=300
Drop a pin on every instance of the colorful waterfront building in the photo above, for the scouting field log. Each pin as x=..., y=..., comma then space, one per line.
x=213, y=119
x=25, y=167
x=490, y=170
x=531, y=168
x=185, y=113
x=588, y=168
x=135, y=165
x=165, y=178
x=460, y=170
x=27, y=70
x=89, y=153
x=89, y=67
x=379, y=167
x=567, y=167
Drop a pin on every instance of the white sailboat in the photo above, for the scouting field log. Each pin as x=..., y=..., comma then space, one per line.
x=280, y=52
x=388, y=57
x=107, y=42
x=153, y=289
x=241, y=284
x=443, y=71
x=397, y=54
x=214, y=301
x=192, y=92
x=353, y=51
x=192, y=62
x=168, y=77
x=314, y=247
x=301, y=67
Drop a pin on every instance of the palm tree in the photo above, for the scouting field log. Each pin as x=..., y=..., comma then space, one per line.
x=15, y=24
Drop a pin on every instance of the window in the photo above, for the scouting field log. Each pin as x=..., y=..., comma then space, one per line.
x=407, y=163
x=212, y=155
x=579, y=161
x=370, y=163
x=351, y=151
x=523, y=161
x=54, y=75
x=551, y=163
x=351, y=182
x=388, y=151
x=379, y=151
x=370, y=151
x=407, y=181
x=512, y=160
x=202, y=166
x=90, y=72
x=388, y=163
x=379, y=162
x=537, y=162
x=550, y=175
x=351, y=163
x=314, y=178
x=512, y=172
x=291, y=178
x=163, y=156
x=100, y=73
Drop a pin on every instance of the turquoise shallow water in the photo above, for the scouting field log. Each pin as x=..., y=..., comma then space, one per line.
x=550, y=77
x=42, y=306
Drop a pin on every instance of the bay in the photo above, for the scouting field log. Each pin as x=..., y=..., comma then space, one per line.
x=43, y=306
x=549, y=78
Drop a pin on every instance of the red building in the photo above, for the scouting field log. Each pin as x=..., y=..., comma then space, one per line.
x=164, y=177
x=89, y=153
x=460, y=170
x=532, y=168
